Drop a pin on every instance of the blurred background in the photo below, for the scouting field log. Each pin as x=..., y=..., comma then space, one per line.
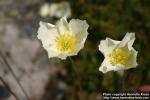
x=55, y=79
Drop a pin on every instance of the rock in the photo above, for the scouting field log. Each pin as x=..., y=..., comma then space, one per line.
x=27, y=59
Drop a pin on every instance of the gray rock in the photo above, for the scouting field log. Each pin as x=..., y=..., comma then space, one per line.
x=27, y=59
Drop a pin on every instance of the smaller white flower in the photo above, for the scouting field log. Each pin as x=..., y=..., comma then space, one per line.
x=119, y=55
x=60, y=9
x=63, y=39
x=56, y=10
x=44, y=11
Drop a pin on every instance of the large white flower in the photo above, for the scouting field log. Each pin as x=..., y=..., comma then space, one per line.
x=119, y=55
x=63, y=39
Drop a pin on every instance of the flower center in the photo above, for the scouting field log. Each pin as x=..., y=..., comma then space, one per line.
x=119, y=56
x=65, y=43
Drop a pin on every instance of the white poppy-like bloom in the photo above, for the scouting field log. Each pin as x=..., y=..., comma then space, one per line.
x=60, y=9
x=118, y=55
x=56, y=9
x=44, y=10
x=63, y=39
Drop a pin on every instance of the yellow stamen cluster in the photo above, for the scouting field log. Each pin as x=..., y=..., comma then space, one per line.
x=65, y=43
x=119, y=56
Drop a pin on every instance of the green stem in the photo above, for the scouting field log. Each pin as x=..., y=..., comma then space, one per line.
x=77, y=96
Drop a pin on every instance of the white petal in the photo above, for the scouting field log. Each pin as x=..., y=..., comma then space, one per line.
x=47, y=34
x=60, y=9
x=119, y=67
x=78, y=47
x=106, y=66
x=44, y=10
x=128, y=39
x=63, y=26
x=79, y=28
x=62, y=56
x=52, y=52
x=53, y=9
x=133, y=59
x=106, y=46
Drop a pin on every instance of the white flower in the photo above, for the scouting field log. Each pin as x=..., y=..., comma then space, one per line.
x=63, y=39
x=56, y=10
x=119, y=55
x=60, y=9
x=44, y=11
